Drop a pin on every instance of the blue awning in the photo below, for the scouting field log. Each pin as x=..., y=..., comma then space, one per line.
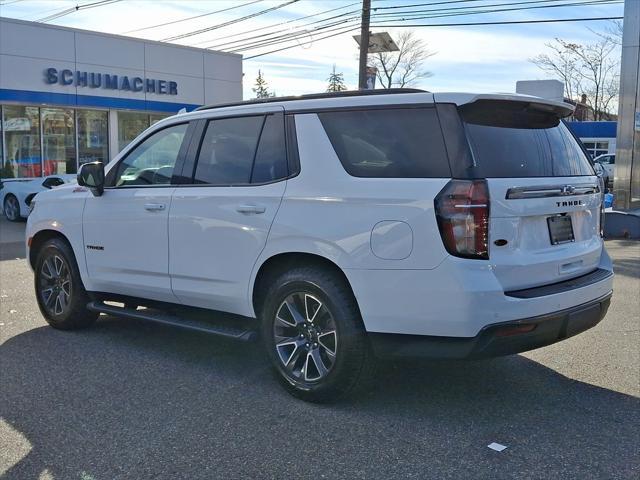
x=593, y=129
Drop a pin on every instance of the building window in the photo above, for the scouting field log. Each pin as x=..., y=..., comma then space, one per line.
x=58, y=141
x=93, y=136
x=21, y=127
x=130, y=125
x=596, y=148
x=156, y=117
x=1, y=146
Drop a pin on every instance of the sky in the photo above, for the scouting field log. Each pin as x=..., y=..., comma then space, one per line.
x=467, y=58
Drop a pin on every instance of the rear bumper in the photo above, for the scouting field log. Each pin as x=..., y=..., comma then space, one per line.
x=497, y=339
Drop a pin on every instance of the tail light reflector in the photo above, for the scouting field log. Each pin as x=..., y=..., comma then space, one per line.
x=462, y=210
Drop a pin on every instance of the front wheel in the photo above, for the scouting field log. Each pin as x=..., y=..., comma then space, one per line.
x=314, y=335
x=59, y=290
x=11, y=208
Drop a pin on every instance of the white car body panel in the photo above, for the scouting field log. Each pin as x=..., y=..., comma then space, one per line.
x=214, y=246
x=23, y=187
x=134, y=259
x=381, y=232
x=60, y=210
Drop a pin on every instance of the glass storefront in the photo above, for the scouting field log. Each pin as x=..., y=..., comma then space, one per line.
x=130, y=125
x=39, y=141
x=58, y=141
x=93, y=136
x=21, y=128
x=156, y=117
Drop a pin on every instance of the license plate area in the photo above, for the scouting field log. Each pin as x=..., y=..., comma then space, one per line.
x=560, y=229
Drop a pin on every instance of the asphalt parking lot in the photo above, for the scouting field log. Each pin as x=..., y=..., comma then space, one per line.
x=130, y=400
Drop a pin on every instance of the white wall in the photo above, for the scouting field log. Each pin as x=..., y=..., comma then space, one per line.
x=27, y=49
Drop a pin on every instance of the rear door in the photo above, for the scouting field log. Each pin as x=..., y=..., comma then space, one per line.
x=545, y=199
x=220, y=218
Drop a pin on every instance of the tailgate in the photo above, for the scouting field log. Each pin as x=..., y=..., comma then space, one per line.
x=551, y=227
x=544, y=196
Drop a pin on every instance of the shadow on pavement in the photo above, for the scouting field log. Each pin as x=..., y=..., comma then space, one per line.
x=131, y=400
x=12, y=251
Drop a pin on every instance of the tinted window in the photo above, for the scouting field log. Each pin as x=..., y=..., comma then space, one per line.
x=152, y=161
x=512, y=140
x=227, y=151
x=391, y=143
x=52, y=182
x=271, y=157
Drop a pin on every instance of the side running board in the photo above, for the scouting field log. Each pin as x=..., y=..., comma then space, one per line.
x=199, y=325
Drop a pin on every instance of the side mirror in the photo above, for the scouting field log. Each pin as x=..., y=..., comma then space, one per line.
x=91, y=175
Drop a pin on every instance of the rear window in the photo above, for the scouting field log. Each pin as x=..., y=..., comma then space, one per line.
x=388, y=143
x=511, y=140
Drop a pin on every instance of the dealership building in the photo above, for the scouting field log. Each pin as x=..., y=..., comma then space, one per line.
x=71, y=96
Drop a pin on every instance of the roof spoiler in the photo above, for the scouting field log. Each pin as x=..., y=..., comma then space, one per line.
x=542, y=105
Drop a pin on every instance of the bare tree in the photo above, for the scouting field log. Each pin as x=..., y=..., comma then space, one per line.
x=590, y=69
x=404, y=67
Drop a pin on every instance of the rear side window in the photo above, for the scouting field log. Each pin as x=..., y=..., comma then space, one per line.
x=242, y=150
x=511, y=140
x=388, y=143
x=228, y=148
x=271, y=158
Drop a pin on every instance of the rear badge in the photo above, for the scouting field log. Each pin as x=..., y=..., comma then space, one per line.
x=571, y=203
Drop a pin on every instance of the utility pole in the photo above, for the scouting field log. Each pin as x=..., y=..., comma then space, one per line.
x=364, y=44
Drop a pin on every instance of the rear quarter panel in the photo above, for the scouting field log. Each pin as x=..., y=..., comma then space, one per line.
x=327, y=212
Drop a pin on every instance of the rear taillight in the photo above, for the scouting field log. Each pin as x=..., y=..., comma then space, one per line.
x=462, y=210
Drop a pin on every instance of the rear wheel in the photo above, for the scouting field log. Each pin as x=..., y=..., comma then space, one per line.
x=11, y=208
x=59, y=290
x=314, y=335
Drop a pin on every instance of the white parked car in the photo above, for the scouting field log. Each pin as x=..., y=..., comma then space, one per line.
x=16, y=194
x=341, y=228
x=608, y=162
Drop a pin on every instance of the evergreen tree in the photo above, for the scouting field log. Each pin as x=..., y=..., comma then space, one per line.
x=261, y=89
x=336, y=81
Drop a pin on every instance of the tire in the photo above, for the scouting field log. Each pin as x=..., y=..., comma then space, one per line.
x=11, y=208
x=59, y=290
x=316, y=301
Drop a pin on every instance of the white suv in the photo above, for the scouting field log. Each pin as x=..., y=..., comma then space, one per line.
x=338, y=228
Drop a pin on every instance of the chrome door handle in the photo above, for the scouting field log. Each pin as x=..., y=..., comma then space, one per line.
x=250, y=209
x=154, y=207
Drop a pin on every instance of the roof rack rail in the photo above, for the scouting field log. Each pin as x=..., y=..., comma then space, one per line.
x=313, y=96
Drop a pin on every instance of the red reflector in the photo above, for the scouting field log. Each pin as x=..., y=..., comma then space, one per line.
x=29, y=242
x=514, y=330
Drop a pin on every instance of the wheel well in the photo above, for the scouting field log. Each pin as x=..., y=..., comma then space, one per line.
x=285, y=261
x=40, y=239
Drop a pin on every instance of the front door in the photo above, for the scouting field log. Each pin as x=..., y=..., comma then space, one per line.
x=125, y=229
x=218, y=225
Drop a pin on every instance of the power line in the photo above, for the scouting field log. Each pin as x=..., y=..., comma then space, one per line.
x=67, y=11
x=351, y=29
x=500, y=23
x=230, y=22
x=290, y=38
x=412, y=15
x=195, y=16
x=252, y=43
x=478, y=8
x=278, y=24
x=428, y=4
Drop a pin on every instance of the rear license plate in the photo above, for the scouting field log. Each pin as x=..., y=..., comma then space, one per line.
x=560, y=229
